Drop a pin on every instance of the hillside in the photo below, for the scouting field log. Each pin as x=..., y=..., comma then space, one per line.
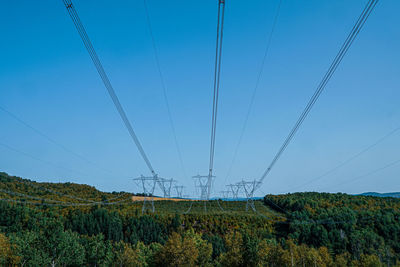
x=45, y=224
x=17, y=188
x=68, y=192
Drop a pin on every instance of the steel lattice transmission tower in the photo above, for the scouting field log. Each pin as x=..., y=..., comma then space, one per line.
x=165, y=186
x=234, y=188
x=203, y=183
x=249, y=187
x=148, y=184
x=179, y=190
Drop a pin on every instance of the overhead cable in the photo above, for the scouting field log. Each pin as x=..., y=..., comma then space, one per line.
x=50, y=164
x=347, y=161
x=391, y=164
x=253, y=95
x=96, y=61
x=164, y=88
x=217, y=73
x=342, y=52
x=39, y=159
x=51, y=140
x=65, y=204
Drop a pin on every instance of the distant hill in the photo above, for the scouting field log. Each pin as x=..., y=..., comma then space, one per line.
x=375, y=194
x=19, y=189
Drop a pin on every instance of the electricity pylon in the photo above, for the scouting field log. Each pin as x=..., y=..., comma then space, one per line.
x=249, y=187
x=148, y=184
x=179, y=190
x=234, y=188
x=204, y=183
x=165, y=185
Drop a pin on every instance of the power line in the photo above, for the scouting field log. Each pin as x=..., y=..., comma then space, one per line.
x=253, y=95
x=217, y=73
x=65, y=204
x=39, y=159
x=325, y=221
x=51, y=140
x=119, y=196
x=279, y=219
x=273, y=203
x=18, y=194
x=391, y=164
x=96, y=61
x=342, y=52
x=350, y=159
x=64, y=194
x=328, y=221
x=219, y=205
x=48, y=163
x=164, y=88
x=28, y=196
x=189, y=209
x=311, y=221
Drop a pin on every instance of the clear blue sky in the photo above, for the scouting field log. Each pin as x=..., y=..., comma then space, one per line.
x=48, y=80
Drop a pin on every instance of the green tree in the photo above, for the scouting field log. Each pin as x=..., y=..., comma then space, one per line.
x=62, y=247
x=218, y=245
x=250, y=250
x=326, y=259
x=369, y=261
x=6, y=254
x=126, y=256
x=272, y=254
x=178, y=251
x=36, y=249
x=342, y=260
x=98, y=251
x=151, y=252
x=204, y=248
x=28, y=248
x=233, y=257
x=69, y=250
x=293, y=253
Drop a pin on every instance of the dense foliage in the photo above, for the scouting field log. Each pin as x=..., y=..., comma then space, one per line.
x=307, y=229
x=342, y=223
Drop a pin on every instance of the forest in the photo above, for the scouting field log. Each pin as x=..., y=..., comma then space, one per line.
x=66, y=224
